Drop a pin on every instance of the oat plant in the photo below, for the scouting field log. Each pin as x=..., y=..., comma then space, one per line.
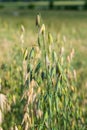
x=43, y=90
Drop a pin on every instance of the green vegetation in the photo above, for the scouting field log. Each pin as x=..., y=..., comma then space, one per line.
x=44, y=4
x=39, y=87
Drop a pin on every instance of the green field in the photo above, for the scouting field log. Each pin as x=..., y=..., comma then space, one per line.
x=68, y=27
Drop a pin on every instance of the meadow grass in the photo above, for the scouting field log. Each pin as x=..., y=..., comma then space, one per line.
x=68, y=29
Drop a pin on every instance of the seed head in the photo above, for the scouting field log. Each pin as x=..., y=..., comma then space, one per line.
x=16, y=128
x=72, y=88
x=50, y=38
x=74, y=74
x=68, y=59
x=62, y=60
x=3, y=102
x=50, y=49
x=38, y=20
x=14, y=99
x=26, y=118
x=38, y=53
x=39, y=113
x=22, y=38
x=72, y=53
x=42, y=30
x=25, y=54
x=62, y=51
x=22, y=28
x=55, y=56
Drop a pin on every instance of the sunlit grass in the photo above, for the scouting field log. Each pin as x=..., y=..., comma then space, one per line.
x=71, y=27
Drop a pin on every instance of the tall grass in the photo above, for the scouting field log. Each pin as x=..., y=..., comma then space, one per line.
x=40, y=87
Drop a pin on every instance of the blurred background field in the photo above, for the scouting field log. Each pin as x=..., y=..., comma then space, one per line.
x=69, y=26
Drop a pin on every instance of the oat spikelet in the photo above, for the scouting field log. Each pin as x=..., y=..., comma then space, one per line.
x=22, y=28
x=24, y=70
x=16, y=128
x=38, y=53
x=38, y=20
x=39, y=113
x=22, y=34
x=22, y=38
x=68, y=59
x=3, y=102
x=62, y=51
x=74, y=74
x=50, y=38
x=42, y=30
x=26, y=118
x=72, y=54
